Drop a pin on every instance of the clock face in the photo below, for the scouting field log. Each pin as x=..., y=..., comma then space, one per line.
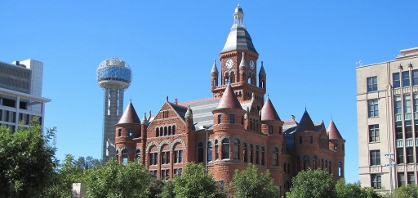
x=252, y=64
x=229, y=63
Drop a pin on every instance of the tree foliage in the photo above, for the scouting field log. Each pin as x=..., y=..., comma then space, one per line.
x=27, y=161
x=117, y=180
x=314, y=184
x=168, y=190
x=344, y=190
x=248, y=183
x=195, y=183
x=406, y=192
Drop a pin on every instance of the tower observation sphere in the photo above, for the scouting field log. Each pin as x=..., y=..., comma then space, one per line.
x=114, y=76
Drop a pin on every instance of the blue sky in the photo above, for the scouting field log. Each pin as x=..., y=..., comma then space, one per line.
x=309, y=49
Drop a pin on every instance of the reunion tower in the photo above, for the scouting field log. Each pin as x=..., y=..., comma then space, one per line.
x=114, y=76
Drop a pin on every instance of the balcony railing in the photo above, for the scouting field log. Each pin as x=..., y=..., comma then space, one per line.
x=398, y=117
x=399, y=143
x=408, y=116
x=409, y=142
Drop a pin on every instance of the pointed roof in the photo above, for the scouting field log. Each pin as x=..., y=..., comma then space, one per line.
x=262, y=71
x=144, y=120
x=305, y=123
x=333, y=132
x=214, y=68
x=268, y=112
x=189, y=113
x=228, y=100
x=238, y=38
x=129, y=115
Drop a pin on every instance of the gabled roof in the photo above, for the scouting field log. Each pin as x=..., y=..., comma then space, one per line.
x=129, y=115
x=268, y=112
x=305, y=123
x=333, y=132
x=228, y=100
x=180, y=110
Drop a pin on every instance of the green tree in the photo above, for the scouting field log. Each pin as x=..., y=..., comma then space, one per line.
x=406, y=192
x=168, y=190
x=117, y=180
x=156, y=187
x=27, y=161
x=195, y=183
x=349, y=190
x=248, y=183
x=314, y=184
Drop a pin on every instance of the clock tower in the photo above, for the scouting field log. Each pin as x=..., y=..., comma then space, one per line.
x=238, y=65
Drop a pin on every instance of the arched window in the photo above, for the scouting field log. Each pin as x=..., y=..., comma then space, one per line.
x=315, y=166
x=326, y=163
x=262, y=155
x=157, y=132
x=284, y=167
x=251, y=153
x=257, y=154
x=138, y=156
x=245, y=153
x=165, y=131
x=322, y=163
x=169, y=130
x=174, y=129
x=200, y=152
x=125, y=156
x=226, y=79
x=340, y=169
x=256, y=125
x=216, y=149
x=225, y=148
x=297, y=163
x=306, y=163
x=219, y=118
x=232, y=78
x=215, y=81
x=236, y=149
x=209, y=151
x=130, y=132
x=275, y=156
x=330, y=167
x=119, y=132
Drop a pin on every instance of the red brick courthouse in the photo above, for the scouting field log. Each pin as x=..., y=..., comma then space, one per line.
x=238, y=125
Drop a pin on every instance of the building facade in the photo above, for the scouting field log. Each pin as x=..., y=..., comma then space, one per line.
x=236, y=126
x=387, y=114
x=21, y=93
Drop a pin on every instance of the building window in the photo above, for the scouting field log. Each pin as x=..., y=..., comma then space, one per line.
x=399, y=156
x=178, y=156
x=408, y=130
x=315, y=165
x=415, y=77
x=219, y=118
x=216, y=150
x=398, y=130
x=310, y=139
x=236, y=149
x=409, y=155
x=154, y=173
x=405, y=79
x=401, y=179
x=178, y=171
x=165, y=157
x=200, y=152
x=209, y=151
x=374, y=135
x=373, y=108
x=153, y=158
x=165, y=174
x=305, y=163
x=411, y=178
x=275, y=156
x=376, y=181
x=138, y=156
x=262, y=155
x=270, y=129
x=396, y=80
x=231, y=118
x=284, y=167
x=340, y=169
x=407, y=107
x=257, y=154
x=244, y=152
x=372, y=84
x=124, y=156
x=300, y=139
x=130, y=132
x=225, y=148
x=374, y=157
x=251, y=153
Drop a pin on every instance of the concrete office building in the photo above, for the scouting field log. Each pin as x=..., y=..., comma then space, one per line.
x=21, y=93
x=114, y=76
x=387, y=114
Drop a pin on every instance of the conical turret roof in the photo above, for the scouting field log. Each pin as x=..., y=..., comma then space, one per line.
x=305, y=123
x=333, y=132
x=262, y=71
x=129, y=115
x=268, y=112
x=228, y=100
x=214, y=68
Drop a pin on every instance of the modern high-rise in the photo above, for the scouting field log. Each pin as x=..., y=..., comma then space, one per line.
x=114, y=76
x=21, y=93
x=387, y=119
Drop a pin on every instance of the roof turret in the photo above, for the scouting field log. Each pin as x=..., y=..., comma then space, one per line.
x=243, y=65
x=214, y=68
x=305, y=123
x=228, y=100
x=144, y=120
x=333, y=132
x=189, y=113
x=262, y=71
x=268, y=112
x=129, y=115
